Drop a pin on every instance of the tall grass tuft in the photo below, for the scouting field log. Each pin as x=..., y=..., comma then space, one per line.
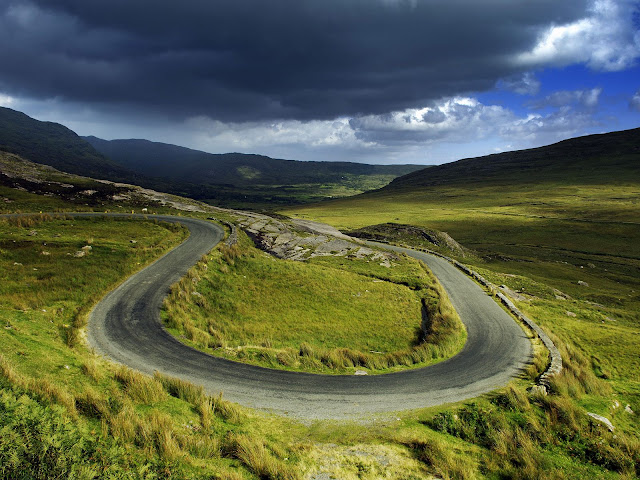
x=181, y=389
x=577, y=376
x=139, y=387
x=91, y=404
x=53, y=393
x=438, y=455
x=161, y=428
x=226, y=410
x=7, y=371
x=91, y=369
x=253, y=453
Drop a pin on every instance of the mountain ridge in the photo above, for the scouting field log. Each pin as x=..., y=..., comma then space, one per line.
x=53, y=144
x=145, y=156
x=612, y=155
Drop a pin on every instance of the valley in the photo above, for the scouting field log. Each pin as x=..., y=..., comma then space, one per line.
x=564, y=251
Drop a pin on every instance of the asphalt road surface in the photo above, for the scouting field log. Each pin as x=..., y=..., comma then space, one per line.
x=125, y=326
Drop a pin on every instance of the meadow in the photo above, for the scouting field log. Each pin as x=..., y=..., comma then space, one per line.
x=324, y=315
x=569, y=251
x=67, y=413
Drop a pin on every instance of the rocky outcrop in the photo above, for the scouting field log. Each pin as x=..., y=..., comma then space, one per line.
x=299, y=240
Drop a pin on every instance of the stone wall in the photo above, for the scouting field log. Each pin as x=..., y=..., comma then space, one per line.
x=555, y=366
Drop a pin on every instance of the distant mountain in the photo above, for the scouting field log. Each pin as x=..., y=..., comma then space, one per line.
x=55, y=145
x=233, y=179
x=238, y=169
x=604, y=158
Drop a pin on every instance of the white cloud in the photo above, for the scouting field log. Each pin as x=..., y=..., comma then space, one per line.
x=6, y=100
x=466, y=121
x=538, y=129
x=607, y=39
x=456, y=121
x=216, y=135
x=453, y=119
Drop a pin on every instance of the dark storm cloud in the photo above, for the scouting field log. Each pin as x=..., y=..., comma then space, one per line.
x=256, y=59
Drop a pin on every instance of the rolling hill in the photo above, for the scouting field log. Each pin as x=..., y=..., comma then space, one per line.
x=238, y=169
x=607, y=157
x=55, y=145
x=232, y=179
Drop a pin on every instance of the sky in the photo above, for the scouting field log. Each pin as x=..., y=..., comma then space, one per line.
x=374, y=81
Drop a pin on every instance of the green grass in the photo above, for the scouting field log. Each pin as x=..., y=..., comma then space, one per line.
x=158, y=427
x=537, y=247
x=46, y=288
x=327, y=314
x=540, y=239
x=66, y=413
x=93, y=414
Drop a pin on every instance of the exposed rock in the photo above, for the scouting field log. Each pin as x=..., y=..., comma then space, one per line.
x=584, y=284
x=517, y=296
x=79, y=254
x=301, y=239
x=538, y=391
x=559, y=295
x=602, y=420
x=360, y=372
x=628, y=409
x=570, y=314
x=33, y=233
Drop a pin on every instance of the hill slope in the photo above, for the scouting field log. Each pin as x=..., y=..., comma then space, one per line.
x=55, y=145
x=171, y=161
x=595, y=158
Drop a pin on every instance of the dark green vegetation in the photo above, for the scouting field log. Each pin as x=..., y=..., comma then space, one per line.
x=324, y=315
x=559, y=228
x=594, y=159
x=26, y=186
x=234, y=179
x=240, y=180
x=55, y=145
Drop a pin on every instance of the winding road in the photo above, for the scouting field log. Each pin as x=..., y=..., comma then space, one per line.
x=125, y=326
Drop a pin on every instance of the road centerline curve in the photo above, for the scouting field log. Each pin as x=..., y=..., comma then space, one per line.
x=125, y=326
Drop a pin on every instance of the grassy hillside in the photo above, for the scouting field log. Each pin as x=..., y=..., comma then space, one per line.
x=245, y=305
x=558, y=227
x=193, y=166
x=66, y=413
x=595, y=159
x=55, y=145
x=242, y=180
